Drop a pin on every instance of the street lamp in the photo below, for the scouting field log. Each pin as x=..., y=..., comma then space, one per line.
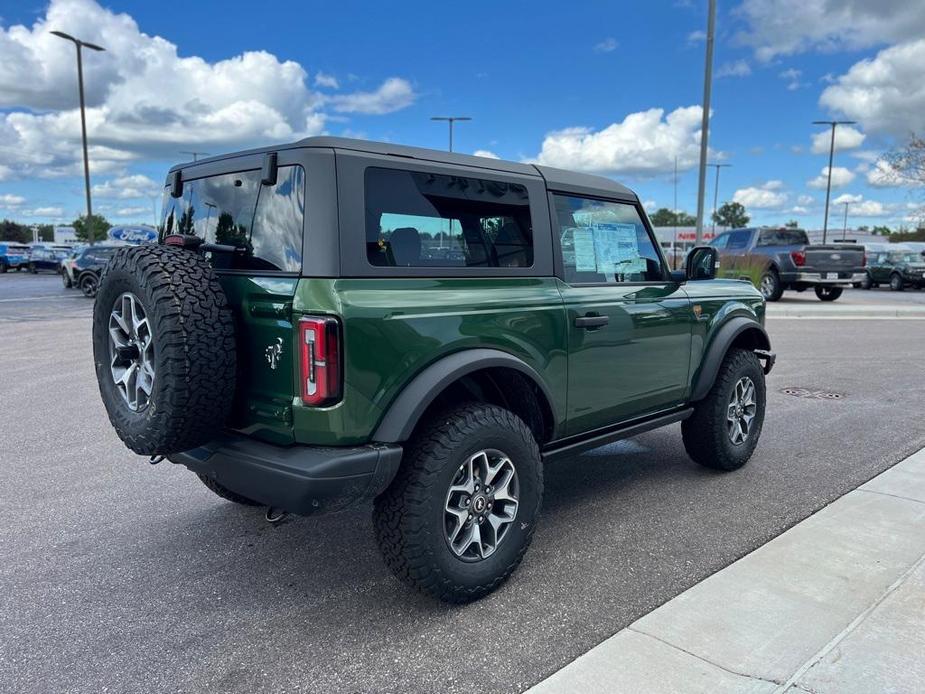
x=828, y=185
x=705, y=117
x=450, y=120
x=83, y=119
x=716, y=192
x=844, y=231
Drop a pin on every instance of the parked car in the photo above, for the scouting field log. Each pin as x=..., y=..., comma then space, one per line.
x=784, y=259
x=348, y=320
x=86, y=268
x=898, y=266
x=47, y=256
x=13, y=256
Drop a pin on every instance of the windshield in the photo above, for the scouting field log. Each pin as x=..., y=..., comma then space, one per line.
x=906, y=257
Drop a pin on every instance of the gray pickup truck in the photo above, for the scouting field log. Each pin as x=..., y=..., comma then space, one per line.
x=786, y=260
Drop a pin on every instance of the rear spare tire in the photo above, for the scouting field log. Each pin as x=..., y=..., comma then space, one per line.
x=163, y=345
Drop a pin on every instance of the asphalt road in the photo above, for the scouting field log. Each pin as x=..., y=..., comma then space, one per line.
x=122, y=577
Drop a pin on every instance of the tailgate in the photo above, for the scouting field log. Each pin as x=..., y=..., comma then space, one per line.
x=833, y=258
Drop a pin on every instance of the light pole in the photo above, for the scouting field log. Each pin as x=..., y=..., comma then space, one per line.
x=674, y=243
x=716, y=193
x=83, y=119
x=450, y=120
x=828, y=185
x=705, y=118
x=844, y=231
x=195, y=155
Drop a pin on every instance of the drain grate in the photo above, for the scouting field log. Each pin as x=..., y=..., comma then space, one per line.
x=810, y=393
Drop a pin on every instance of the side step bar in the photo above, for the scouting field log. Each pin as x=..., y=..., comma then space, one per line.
x=573, y=446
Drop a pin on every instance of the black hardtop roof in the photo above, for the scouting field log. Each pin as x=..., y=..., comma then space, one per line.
x=555, y=178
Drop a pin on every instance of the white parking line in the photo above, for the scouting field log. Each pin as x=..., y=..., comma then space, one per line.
x=41, y=298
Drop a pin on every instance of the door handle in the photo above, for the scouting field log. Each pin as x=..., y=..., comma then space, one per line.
x=589, y=322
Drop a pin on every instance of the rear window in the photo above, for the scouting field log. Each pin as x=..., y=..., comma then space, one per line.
x=264, y=222
x=782, y=237
x=416, y=219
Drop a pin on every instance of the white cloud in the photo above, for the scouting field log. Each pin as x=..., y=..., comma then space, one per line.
x=767, y=196
x=488, y=154
x=697, y=36
x=806, y=200
x=846, y=137
x=840, y=177
x=649, y=205
x=145, y=100
x=883, y=93
x=9, y=200
x=644, y=143
x=608, y=45
x=325, y=80
x=792, y=77
x=128, y=187
x=47, y=212
x=884, y=175
x=133, y=211
x=799, y=210
x=787, y=27
x=394, y=94
x=739, y=68
x=847, y=197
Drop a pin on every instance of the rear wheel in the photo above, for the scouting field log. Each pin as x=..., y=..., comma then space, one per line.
x=459, y=516
x=34, y=270
x=896, y=283
x=824, y=293
x=867, y=282
x=3, y=266
x=724, y=429
x=89, y=283
x=770, y=286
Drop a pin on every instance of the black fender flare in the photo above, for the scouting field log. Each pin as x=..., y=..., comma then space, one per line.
x=716, y=352
x=406, y=410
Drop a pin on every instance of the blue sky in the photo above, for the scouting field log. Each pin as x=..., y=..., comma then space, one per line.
x=610, y=88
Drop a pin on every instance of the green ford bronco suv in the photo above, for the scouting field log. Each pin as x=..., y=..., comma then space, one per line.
x=336, y=321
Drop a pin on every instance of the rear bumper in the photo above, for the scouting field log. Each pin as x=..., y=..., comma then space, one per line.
x=831, y=278
x=299, y=479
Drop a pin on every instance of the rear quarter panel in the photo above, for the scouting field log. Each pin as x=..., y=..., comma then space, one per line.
x=394, y=328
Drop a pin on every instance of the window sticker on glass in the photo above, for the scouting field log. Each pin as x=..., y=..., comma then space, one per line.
x=585, y=256
x=615, y=246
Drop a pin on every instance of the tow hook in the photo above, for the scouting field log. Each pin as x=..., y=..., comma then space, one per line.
x=768, y=357
x=275, y=515
x=155, y=459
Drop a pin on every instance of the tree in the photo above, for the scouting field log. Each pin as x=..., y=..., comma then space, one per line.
x=46, y=232
x=731, y=214
x=663, y=217
x=881, y=231
x=11, y=231
x=99, y=223
x=792, y=224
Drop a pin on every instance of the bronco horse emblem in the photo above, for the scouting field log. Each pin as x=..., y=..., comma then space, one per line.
x=273, y=353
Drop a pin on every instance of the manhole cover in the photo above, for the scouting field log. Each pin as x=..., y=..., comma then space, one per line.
x=811, y=393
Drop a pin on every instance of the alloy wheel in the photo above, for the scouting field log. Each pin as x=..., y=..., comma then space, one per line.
x=131, y=350
x=481, y=505
x=741, y=410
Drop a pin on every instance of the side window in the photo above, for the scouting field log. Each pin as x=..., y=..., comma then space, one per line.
x=604, y=241
x=416, y=219
x=276, y=239
x=738, y=240
x=720, y=241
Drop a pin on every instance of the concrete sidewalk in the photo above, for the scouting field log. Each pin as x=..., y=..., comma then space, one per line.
x=845, y=311
x=835, y=604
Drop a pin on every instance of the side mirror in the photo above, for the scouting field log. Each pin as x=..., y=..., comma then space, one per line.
x=269, y=169
x=702, y=263
x=176, y=184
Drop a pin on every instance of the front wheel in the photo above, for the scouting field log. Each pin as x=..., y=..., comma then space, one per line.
x=89, y=283
x=459, y=516
x=896, y=283
x=66, y=280
x=724, y=429
x=770, y=287
x=824, y=293
x=34, y=270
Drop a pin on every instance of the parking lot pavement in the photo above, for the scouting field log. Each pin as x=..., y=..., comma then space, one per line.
x=121, y=576
x=24, y=296
x=832, y=606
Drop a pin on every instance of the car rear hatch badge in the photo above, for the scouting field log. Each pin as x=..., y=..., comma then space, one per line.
x=273, y=353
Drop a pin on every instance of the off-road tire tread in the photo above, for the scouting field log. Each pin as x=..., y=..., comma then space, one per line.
x=704, y=432
x=226, y=493
x=398, y=512
x=194, y=344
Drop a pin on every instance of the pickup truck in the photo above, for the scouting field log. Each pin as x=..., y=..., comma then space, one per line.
x=784, y=259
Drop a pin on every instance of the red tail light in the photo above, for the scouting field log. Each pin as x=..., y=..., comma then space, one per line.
x=799, y=258
x=319, y=340
x=864, y=261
